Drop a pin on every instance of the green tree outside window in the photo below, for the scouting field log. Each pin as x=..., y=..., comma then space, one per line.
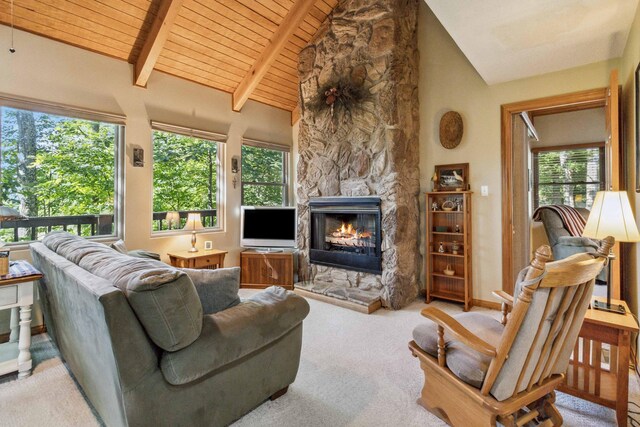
x=185, y=174
x=264, y=176
x=568, y=176
x=54, y=166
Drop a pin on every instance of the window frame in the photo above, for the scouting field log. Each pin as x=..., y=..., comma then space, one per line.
x=601, y=146
x=220, y=140
x=285, y=184
x=73, y=112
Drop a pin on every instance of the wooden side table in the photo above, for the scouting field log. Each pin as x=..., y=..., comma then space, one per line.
x=16, y=294
x=591, y=378
x=202, y=259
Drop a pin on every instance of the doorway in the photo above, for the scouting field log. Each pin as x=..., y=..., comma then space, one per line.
x=515, y=223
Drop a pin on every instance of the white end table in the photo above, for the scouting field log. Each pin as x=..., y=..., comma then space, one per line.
x=16, y=294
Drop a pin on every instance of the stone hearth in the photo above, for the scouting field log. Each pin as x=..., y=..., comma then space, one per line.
x=340, y=291
x=366, y=147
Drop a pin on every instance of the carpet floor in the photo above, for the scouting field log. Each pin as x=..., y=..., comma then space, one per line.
x=355, y=370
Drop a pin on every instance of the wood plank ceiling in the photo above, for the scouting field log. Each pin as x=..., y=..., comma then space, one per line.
x=244, y=47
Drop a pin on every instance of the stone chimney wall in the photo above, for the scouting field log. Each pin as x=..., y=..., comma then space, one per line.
x=365, y=146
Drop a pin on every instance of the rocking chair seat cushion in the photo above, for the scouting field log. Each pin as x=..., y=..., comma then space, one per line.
x=464, y=362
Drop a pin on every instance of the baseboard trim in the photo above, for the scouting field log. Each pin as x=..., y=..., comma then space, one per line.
x=35, y=330
x=487, y=304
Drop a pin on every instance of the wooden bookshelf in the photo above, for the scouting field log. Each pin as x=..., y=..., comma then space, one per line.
x=451, y=230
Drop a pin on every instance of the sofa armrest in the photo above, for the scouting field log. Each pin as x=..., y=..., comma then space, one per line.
x=217, y=289
x=232, y=334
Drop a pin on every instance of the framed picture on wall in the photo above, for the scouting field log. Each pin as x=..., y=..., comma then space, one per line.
x=452, y=177
x=637, y=81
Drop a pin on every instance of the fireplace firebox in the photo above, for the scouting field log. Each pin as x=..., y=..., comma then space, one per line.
x=345, y=233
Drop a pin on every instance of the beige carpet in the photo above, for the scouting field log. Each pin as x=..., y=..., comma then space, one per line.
x=355, y=371
x=49, y=397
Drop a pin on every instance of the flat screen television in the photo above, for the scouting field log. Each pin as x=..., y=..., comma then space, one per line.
x=268, y=227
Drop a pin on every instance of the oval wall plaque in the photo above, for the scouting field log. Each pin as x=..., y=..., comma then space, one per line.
x=451, y=129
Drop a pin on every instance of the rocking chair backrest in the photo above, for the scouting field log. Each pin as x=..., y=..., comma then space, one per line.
x=552, y=299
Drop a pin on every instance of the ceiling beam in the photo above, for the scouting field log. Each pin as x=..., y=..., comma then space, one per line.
x=289, y=25
x=155, y=41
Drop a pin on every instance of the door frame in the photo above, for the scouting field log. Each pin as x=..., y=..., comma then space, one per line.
x=575, y=101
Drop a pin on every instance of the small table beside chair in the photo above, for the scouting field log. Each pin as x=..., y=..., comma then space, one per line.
x=589, y=377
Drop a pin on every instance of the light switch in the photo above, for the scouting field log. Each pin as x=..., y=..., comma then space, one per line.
x=484, y=190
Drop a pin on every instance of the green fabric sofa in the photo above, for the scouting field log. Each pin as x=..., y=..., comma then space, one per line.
x=152, y=345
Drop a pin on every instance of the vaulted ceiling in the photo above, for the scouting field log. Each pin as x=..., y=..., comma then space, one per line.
x=248, y=48
x=509, y=40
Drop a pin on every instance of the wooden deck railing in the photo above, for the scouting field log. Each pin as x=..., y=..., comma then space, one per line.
x=208, y=219
x=87, y=225
x=91, y=225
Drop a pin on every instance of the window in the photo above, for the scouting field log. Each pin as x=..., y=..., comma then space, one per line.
x=265, y=174
x=186, y=176
x=60, y=172
x=568, y=176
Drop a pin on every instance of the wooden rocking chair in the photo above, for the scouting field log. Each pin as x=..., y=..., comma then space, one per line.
x=479, y=370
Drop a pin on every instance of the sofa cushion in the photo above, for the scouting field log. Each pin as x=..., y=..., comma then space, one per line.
x=119, y=246
x=72, y=247
x=141, y=253
x=234, y=333
x=465, y=363
x=217, y=289
x=163, y=298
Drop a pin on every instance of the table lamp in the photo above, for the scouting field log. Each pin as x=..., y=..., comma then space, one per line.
x=611, y=215
x=173, y=219
x=9, y=214
x=193, y=224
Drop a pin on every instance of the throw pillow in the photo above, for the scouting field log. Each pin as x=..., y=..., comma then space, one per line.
x=217, y=289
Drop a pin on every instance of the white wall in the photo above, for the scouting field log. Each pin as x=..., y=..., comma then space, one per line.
x=449, y=82
x=574, y=127
x=50, y=71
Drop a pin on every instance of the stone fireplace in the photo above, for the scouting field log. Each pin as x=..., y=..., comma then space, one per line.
x=358, y=138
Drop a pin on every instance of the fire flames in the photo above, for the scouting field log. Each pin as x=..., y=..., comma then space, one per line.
x=349, y=232
x=348, y=236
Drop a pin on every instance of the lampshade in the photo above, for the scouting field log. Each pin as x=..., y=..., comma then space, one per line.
x=8, y=214
x=193, y=222
x=611, y=216
x=173, y=218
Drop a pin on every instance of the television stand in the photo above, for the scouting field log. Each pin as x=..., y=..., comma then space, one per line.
x=263, y=268
x=269, y=250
